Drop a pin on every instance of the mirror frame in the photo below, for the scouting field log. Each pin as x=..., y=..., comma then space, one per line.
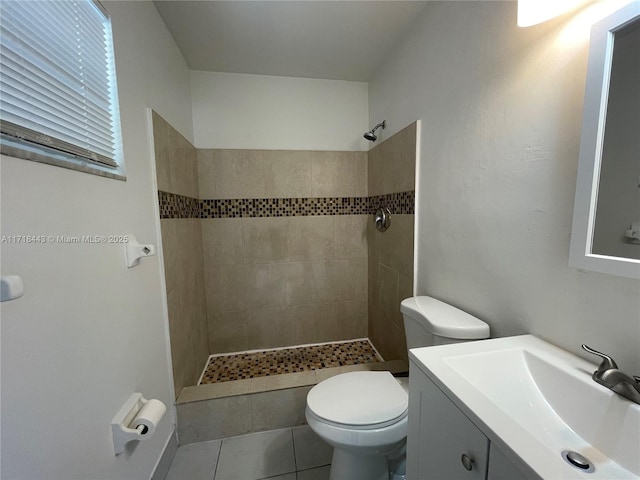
x=594, y=117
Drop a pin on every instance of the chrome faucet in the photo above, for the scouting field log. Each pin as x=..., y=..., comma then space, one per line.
x=609, y=376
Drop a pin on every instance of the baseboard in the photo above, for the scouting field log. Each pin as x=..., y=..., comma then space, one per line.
x=165, y=460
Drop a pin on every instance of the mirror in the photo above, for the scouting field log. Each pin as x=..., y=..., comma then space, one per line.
x=605, y=236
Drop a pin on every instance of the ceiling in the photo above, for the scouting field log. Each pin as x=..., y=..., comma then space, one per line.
x=338, y=40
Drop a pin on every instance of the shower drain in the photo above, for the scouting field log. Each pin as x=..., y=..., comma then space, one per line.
x=577, y=461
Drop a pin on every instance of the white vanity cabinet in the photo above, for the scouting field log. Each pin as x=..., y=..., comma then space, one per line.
x=442, y=443
x=501, y=468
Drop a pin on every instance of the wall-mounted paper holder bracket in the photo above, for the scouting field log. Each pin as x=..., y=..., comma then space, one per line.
x=135, y=250
x=11, y=287
x=121, y=433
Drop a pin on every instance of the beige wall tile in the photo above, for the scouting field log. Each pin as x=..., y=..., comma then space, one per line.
x=194, y=325
x=356, y=163
x=270, y=327
x=340, y=280
x=208, y=391
x=392, y=163
x=351, y=235
x=312, y=238
x=376, y=158
x=314, y=323
x=222, y=242
x=394, y=247
x=213, y=419
x=188, y=352
x=352, y=319
x=184, y=275
x=279, y=409
x=362, y=174
x=177, y=160
x=161, y=150
x=191, y=173
x=290, y=284
x=281, y=174
x=200, y=345
x=183, y=165
x=234, y=288
x=192, y=246
x=170, y=250
x=206, y=174
x=338, y=174
x=406, y=286
x=388, y=293
x=176, y=342
x=228, y=332
x=287, y=174
x=325, y=173
x=176, y=163
x=265, y=240
x=398, y=344
x=391, y=169
x=380, y=333
x=239, y=173
x=399, y=169
x=359, y=267
x=372, y=281
x=282, y=381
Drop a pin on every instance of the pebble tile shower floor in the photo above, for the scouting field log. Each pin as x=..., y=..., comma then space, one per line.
x=237, y=366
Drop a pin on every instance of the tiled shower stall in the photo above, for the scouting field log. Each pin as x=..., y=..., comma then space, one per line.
x=266, y=248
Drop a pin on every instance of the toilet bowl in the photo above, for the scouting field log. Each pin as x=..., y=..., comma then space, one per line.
x=363, y=415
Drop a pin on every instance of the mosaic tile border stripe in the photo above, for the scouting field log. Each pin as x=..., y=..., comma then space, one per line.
x=402, y=203
x=179, y=206
x=238, y=366
x=283, y=207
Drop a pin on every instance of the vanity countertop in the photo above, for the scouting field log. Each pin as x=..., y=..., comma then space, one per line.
x=534, y=401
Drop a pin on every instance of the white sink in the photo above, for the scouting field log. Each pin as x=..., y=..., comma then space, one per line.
x=537, y=400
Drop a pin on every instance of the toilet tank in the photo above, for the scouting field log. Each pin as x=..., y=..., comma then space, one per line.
x=428, y=321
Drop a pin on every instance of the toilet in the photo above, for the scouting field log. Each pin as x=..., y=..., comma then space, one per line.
x=363, y=415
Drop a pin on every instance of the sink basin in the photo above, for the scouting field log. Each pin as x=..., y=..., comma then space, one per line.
x=536, y=401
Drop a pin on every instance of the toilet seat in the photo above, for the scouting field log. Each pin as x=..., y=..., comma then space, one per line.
x=359, y=400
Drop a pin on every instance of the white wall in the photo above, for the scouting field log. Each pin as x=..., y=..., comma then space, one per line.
x=88, y=331
x=278, y=113
x=501, y=117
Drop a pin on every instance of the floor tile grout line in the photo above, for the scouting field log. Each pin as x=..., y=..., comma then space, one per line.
x=295, y=454
x=215, y=470
x=313, y=468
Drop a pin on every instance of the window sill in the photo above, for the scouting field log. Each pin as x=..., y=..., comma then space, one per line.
x=58, y=159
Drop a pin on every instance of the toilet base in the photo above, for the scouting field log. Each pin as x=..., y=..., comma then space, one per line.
x=348, y=466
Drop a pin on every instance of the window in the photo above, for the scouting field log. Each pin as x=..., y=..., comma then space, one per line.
x=58, y=95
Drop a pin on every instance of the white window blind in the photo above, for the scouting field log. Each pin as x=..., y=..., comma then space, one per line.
x=57, y=78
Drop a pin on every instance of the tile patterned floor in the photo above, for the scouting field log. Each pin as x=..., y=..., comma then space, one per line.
x=288, y=360
x=288, y=454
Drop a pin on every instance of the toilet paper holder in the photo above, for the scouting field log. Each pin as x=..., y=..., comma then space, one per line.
x=136, y=420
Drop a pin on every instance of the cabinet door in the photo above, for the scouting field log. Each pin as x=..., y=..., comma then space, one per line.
x=502, y=468
x=440, y=435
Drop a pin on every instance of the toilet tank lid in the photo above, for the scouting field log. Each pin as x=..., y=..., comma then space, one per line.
x=444, y=320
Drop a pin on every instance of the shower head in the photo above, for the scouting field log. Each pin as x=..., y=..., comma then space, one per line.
x=371, y=135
